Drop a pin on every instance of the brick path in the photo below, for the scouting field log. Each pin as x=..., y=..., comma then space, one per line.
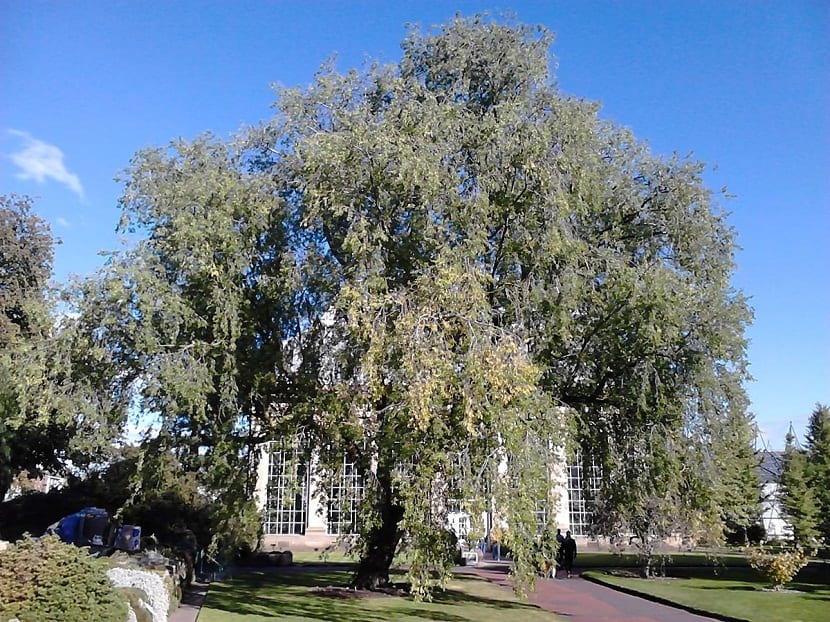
x=582, y=601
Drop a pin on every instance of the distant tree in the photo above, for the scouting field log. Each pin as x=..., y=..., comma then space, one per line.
x=799, y=498
x=818, y=452
x=435, y=268
x=733, y=457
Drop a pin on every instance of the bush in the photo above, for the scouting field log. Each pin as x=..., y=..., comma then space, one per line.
x=739, y=535
x=779, y=568
x=756, y=533
x=46, y=579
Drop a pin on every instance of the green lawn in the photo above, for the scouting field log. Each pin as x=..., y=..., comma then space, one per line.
x=586, y=559
x=335, y=556
x=735, y=592
x=288, y=596
x=602, y=559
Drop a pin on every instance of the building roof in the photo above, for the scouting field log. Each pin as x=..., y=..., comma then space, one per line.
x=772, y=463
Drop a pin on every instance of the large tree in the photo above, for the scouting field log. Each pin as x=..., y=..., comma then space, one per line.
x=436, y=268
x=608, y=266
x=52, y=386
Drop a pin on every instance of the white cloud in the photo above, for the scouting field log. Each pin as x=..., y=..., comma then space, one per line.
x=63, y=222
x=41, y=161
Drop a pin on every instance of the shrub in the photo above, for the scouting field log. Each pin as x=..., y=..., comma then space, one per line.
x=45, y=579
x=779, y=568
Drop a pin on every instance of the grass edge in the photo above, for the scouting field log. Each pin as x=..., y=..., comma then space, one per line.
x=595, y=576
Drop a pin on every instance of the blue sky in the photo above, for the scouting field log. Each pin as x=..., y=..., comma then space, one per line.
x=744, y=86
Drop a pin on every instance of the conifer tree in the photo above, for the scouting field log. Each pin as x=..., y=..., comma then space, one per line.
x=798, y=496
x=818, y=451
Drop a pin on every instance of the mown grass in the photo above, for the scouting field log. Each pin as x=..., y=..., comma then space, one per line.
x=289, y=596
x=587, y=559
x=334, y=556
x=734, y=592
x=605, y=559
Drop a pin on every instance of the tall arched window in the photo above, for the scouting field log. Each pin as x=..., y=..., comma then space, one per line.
x=286, y=511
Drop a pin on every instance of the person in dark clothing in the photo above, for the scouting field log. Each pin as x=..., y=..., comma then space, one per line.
x=568, y=553
x=559, y=540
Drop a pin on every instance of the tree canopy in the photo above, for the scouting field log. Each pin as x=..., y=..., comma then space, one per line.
x=56, y=394
x=451, y=272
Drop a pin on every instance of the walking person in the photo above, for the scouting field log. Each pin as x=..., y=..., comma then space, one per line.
x=568, y=549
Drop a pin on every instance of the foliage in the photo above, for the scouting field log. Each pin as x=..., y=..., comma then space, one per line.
x=57, y=403
x=166, y=502
x=156, y=494
x=192, y=319
x=778, y=567
x=44, y=579
x=805, y=481
x=739, y=535
x=818, y=450
x=799, y=495
x=438, y=268
x=25, y=267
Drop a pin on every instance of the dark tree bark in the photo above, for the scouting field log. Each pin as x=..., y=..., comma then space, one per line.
x=382, y=542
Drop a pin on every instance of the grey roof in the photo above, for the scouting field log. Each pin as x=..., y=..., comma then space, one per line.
x=772, y=463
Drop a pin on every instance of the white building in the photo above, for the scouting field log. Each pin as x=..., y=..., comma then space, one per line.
x=772, y=514
x=298, y=515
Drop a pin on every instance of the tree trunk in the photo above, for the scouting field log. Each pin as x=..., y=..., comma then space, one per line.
x=6, y=479
x=382, y=542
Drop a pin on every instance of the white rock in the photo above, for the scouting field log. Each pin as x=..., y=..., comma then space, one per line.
x=151, y=582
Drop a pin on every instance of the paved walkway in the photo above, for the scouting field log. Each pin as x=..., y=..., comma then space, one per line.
x=582, y=601
x=576, y=599
x=191, y=604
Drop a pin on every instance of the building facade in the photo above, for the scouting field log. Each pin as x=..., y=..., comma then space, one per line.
x=298, y=514
x=772, y=513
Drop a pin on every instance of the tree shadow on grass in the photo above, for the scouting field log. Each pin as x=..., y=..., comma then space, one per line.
x=730, y=588
x=272, y=595
x=459, y=597
x=812, y=591
x=428, y=614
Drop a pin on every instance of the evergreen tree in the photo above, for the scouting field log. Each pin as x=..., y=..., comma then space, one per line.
x=798, y=496
x=818, y=451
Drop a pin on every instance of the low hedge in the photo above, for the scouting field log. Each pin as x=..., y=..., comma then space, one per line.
x=45, y=579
